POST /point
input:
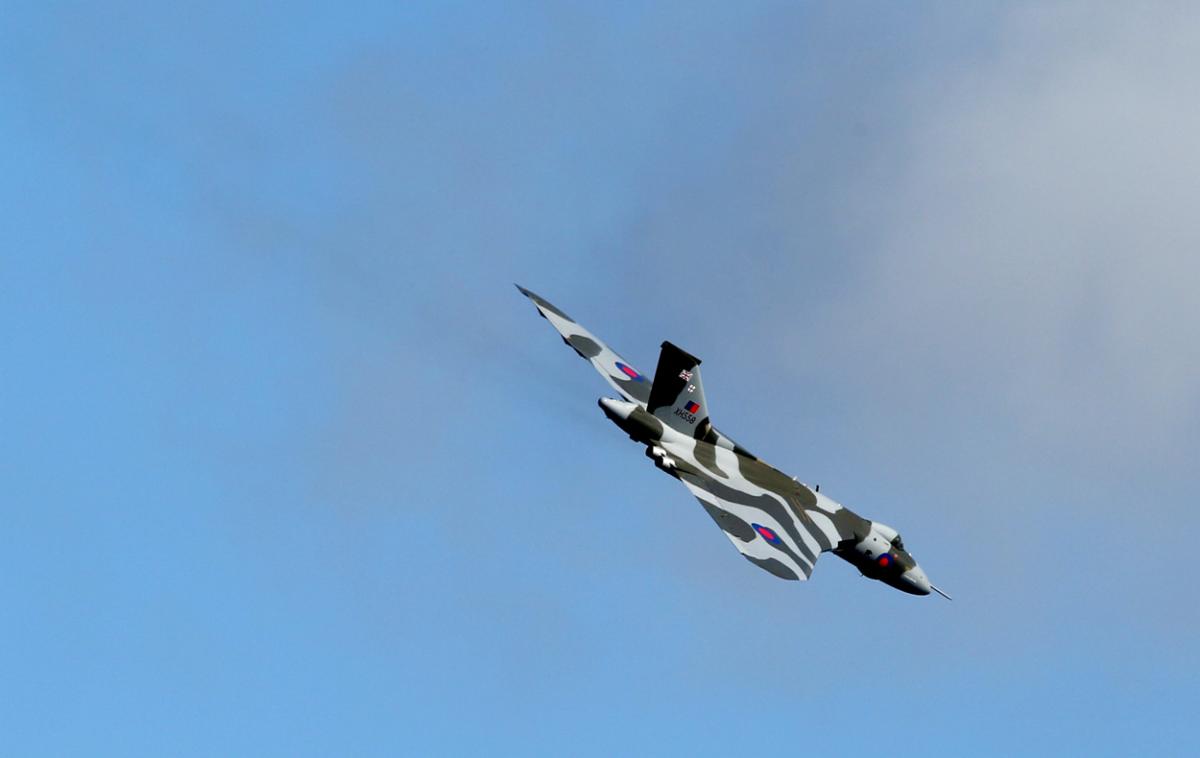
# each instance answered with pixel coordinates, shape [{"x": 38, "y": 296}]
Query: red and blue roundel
[
  {"x": 767, "y": 534},
  {"x": 885, "y": 560},
  {"x": 630, "y": 372}
]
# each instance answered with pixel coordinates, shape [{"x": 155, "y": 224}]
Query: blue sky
[{"x": 290, "y": 468}]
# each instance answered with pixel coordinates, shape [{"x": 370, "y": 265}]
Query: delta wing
[{"x": 623, "y": 377}]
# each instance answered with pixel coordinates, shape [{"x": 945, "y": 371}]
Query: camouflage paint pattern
[{"x": 775, "y": 521}]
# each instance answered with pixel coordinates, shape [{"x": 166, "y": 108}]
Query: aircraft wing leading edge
[{"x": 633, "y": 385}]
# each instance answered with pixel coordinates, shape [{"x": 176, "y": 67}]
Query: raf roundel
[
  {"x": 767, "y": 534},
  {"x": 885, "y": 560},
  {"x": 630, "y": 372}
]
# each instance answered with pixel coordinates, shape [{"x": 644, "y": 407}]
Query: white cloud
[{"x": 1036, "y": 236}]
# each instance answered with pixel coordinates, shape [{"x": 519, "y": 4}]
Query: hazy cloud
[{"x": 1033, "y": 234}]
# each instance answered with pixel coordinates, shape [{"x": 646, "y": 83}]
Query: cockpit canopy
[{"x": 897, "y": 542}]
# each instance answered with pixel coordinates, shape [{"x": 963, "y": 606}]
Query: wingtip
[{"x": 542, "y": 303}]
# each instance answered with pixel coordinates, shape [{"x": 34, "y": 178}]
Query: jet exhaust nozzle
[
  {"x": 632, "y": 419},
  {"x": 616, "y": 410}
]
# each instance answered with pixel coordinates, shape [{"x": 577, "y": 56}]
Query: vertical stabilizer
[{"x": 677, "y": 395}]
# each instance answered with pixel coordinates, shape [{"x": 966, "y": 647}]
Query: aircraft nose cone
[{"x": 916, "y": 582}]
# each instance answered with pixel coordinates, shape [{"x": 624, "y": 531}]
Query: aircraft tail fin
[{"x": 677, "y": 394}]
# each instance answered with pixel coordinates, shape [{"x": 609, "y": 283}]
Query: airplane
[{"x": 777, "y": 522}]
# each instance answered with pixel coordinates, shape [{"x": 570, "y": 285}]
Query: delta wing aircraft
[{"x": 778, "y": 523}]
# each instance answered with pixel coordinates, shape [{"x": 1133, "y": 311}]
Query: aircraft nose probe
[{"x": 943, "y": 594}]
